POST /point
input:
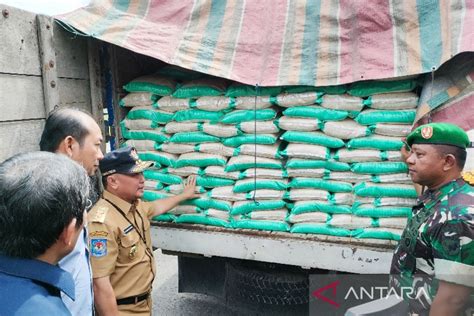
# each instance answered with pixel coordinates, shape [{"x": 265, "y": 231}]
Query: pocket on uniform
[{"x": 131, "y": 248}]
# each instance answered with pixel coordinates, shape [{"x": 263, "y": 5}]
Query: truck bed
[{"x": 307, "y": 251}]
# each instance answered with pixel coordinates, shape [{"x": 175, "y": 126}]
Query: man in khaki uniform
[{"x": 119, "y": 231}]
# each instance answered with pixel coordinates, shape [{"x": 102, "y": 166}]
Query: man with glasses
[
  {"x": 43, "y": 197},
  {"x": 74, "y": 133},
  {"x": 119, "y": 230}
]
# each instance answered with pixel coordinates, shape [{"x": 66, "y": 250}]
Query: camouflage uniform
[{"x": 437, "y": 244}]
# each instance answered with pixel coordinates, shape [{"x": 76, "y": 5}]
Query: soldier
[
  {"x": 74, "y": 133},
  {"x": 435, "y": 256},
  {"x": 119, "y": 230}
]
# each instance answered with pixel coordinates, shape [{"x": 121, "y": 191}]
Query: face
[
  {"x": 129, "y": 187},
  {"x": 426, "y": 165},
  {"x": 89, "y": 154}
]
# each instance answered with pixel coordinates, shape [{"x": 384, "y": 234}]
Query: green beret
[{"x": 439, "y": 134}]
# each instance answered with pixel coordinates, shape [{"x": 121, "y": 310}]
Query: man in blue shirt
[
  {"x": 74, "y": 133},
  {"x": 43, "y": 198}
]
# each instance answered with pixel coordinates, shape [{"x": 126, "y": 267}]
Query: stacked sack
[
  {"x": 361, "y": 185},
  {"x": 261, "y": 181},
  {"x": 310, "y": 160},
  {"x": 193, "y": 130}
]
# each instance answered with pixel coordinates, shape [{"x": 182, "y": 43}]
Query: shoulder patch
[
  {"x": 469, "y": 177},
  {"x": 98, "y": 247},
  {"x": 99, "y": 214}
]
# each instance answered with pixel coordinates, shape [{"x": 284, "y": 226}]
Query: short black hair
[
  {"x": 459, "y": 153},
  {"x": 63, "y": 122},
  {"x": 40, "y": 194}
]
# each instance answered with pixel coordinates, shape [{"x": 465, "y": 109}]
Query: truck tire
[{"x": 269, "y": 286}]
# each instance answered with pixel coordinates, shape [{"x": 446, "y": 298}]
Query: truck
[{"x": 45, "y": 63}]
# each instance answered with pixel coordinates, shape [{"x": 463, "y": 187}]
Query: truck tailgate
[{"x": 308, "y": 251}]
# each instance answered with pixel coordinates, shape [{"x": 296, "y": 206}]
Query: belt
[{"x": 133, "y": 299}]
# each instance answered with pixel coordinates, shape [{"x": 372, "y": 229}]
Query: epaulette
[
  {"x": 468, "y": 177},
  {"x": 99, "y": 214}
]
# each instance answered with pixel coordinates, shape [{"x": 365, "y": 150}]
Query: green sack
[
  {"x": 379, "y": 167},
  {"x": 202, "y": 219},
  {"x": 250, "y": 206},
  {"x": 318, "y": 112},
  {"x": 261, "y": 139},
  {"x": 375, "y": 142},
  {"x": 154, "y": 84},
  {"x": 315, "y": 164},
  {"x": 315, "y": 138},
  {"x": 148, "y": 113},
  {"x": 179, "y": 73},
  {"x": 340, "y": 89},
  {"x": 197, "y": 116},
  {"x": 240, "y": 116},
  {"x": 371, "y": 117},
  {"x": 209, "y": 203},
  {"x": 383, "y": 211},
  {"x": 245, "y": 162},
  {"x": 301, "y": 207},
  {"x": 164, "y": 218},
  {"x": 200, "y": 160},
  {"x": 193, "y": 137},
  {"x": 248, "y": 185},
  {"x": 332, "y": 186},
  {"x": 162, "y": 177},
  {"x": 213, "y": 182},
  {"x": 159, "y": 158},
  {"x": 378, "y": 234},
  {"x": 380, "y": 190},
  {"x": 370, "y": 87},
  {"x": 323, "y": 229},
  {"x": 149, "y": 196},
  {"x": 261, "y": 225},
  {"x": 145, "y": 135},
  {"x": 242, "y": 90},
  {"x": 201, "y": 87},
  {"x": 138, "y": 99}
]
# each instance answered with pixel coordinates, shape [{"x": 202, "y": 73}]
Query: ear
[
  {"x": 449, "y": 162},
  {"x": 68, "y": 234},
  {"x": 68, "y": 146},
  {"x": 112, "y": 182}
]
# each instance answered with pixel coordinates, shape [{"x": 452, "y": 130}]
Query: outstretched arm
[{"x": 164, "y": 205}]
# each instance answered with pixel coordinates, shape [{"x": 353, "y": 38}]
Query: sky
[{"x": 47, "y": 7}]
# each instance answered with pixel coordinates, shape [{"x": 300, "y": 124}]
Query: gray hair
[{"x": 40, "y": 194}]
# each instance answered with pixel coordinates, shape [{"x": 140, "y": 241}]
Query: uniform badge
[
  {"x": 98, "y": 233},
  {"x": 427, "y": 132},
  {"x": 128, "y": 229},
  {"x": 133, "y": 252},
  {"x": 98, "y": 247}
]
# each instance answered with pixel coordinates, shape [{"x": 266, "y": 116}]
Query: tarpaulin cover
[{"x": 286, "y": 42}]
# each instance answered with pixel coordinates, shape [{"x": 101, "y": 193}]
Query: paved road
[{"x": 167, "y": 300}]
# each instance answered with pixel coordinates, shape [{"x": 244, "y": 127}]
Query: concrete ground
[{"x": 167, "y": 300}]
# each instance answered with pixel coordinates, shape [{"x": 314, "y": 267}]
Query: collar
[
  {"x": 39, "y": 271},
  {"x": 122, "y": 204},
  {"x": 432, "y": 197}
]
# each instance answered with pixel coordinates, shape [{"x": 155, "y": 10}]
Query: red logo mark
[{"x": 332, "y": 286}]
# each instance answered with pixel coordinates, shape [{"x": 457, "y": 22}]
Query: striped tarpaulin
[{"x": 287, "y": 42}]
